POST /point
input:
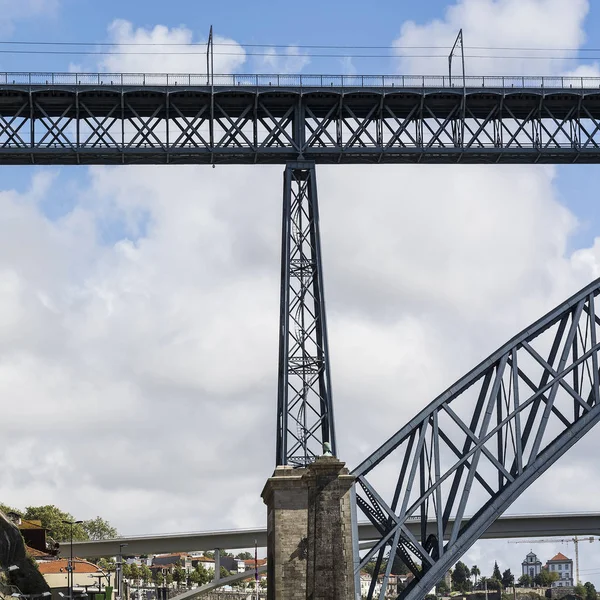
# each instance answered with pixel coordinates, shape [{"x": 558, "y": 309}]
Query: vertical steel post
[{"x": 304, "y": 406}]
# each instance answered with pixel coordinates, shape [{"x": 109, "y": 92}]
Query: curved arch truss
[{"x": 476, "y": 447}]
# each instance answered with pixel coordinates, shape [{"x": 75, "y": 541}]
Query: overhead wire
[
  {"x": 299, "y": 46},
  {"x": 311, "y": 55}
]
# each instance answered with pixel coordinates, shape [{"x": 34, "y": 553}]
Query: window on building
[{"x": 560, "y": 567}]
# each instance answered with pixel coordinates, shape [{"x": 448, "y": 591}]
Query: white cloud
[
  {"x": 291, "y": 60},
  {"x": 12, "y": 11},
  {"x": 149, "y": 364},
  {"x": 162, "y": 56},
  {"x": 548, "y": 24}
]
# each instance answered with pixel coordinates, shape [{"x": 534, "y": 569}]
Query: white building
[
  {"x": 531, "y": 566},
  {"x": 564, "y": 567}
]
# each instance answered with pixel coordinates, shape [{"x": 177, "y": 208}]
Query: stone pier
[{"x": 309, "y": 532}]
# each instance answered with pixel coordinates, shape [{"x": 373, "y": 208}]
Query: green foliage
[
  {"x": 494, "y": 584},
  {"x": 6, "y": 509},
  {"x": 580, "y": 591},
  {"x": 99, "y": 529},
  {"x": 475, "y": 573},
  {"x": 590, "y": 591},
  {"x": 244, "y": 556},
  {"x": 169, "y": 579},
  {"x": 508, "y": 579},
  {"x": 431, "y": 597},
  {"x": 525, "y": 581},
  {"x": 145, "y": 574},
  {"x": 107, "y": 564},
  {"x": 460, "y": 577},
  {"x": 134, "y": 572},
  {"x": 159, "y": 578},
  {"x": 442, "y": 588},
  {"x": 179, "y": 574},
  {"x": 496, "y": 572},
  {"x": 200, "y": 575},
  {"x": 224, "y": 572},
  {"x": 53, "y": 518},
  {"x": 126, "y": 569},
  {"x": 545, "y": 578}
]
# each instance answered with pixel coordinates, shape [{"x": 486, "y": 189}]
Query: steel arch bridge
[
  {"x": 476, "y": 447},
  {"x": 481, "y": 443}
]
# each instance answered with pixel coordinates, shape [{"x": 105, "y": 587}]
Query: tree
[
  {"x": 107, "y": 564},
  {"x": 52, "y": 519},
  {"x": 200, "y": 575},
  {"x": 508, "y": 579},
  {"x": 99, "y": 529},
  {"x": 496, "y": 572},
  {"x": 145, "y": 574},
  {"x": 475, "y": 573},
  {"x": 244, "y": 556},
  {"x": 525, "y": 581},
  {"x": 159, "y": 578},
  {"x": 442, "y": 588},
  {"x": 545, "y": 577},
  {"x": 580, "y": 591},
  {"x": 126, "y": 570},
  {"x": 169, "y": 578},
  {"x": 460, "y": 577},
  {"x": 134, "y": 572},
  {"x": 590, "y": 591},
  {"x": 179, "y": 575}
]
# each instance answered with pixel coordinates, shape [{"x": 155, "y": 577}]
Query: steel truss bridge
[
  {"x": 75, "y": 118},
  {"x": 481, "y": 443}
]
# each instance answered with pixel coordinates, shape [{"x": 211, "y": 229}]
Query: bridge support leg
[
  {"x": 309, "y": 532},
  {"x": 304, "y": 406}
]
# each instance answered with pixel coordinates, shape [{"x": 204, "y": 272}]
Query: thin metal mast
[{"x": 304, "y": 406}]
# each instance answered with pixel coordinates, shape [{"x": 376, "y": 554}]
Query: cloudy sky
[{"x": 139, "y": 305}]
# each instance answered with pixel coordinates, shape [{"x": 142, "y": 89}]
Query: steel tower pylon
[{"x": 304, "y": 406}]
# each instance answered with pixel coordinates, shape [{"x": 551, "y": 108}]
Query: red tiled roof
[
  {"x": 60, "y": 566},
  {"x": 560, "y": 556},
  {"x": 260, "y": 562}
]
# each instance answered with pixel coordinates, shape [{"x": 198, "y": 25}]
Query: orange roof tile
[
  {"x": 60, "y": 566},
  {"x": 560, "y": 556}
]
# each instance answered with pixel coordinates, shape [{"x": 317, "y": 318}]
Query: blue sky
[
  {"x": 152, "y": 293},
  {"x": 264, "y": 22}
]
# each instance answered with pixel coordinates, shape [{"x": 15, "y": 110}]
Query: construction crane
[{"x": 575, "y": 540}]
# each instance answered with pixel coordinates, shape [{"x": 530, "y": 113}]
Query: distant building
[
  {"x": 532, "y": 565},
  {"x": 55, "y": 574},
  {"x": 564, "y": 567}
]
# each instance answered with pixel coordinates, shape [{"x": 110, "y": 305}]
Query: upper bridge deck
[{"x": 77, "y": 118}]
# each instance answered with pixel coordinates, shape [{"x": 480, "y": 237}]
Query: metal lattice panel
[
  {"x": 475, "y": 448},
  {"x": 187, "y": 121},
  {"x": 304, "y": 407}
]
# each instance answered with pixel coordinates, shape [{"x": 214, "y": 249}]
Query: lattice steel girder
[
  {"x": 304, "y": 405},
  {"x": 153, "y": 124},
  {"x": 480, "y": 444}
]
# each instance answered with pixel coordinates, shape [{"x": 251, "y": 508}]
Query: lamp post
[
  {"x": 70, "y": 564},
  {"x": 120, "y": 572}
]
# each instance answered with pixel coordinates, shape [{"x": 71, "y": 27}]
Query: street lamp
[
  {"x": 120, "y": 572},
  {"x": 70, "y": 565}
]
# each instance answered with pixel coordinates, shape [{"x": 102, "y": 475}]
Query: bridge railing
[{"x": 302, "y": 81}]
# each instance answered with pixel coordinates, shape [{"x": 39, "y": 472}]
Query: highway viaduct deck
[{"x": 515, "y": 526}]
